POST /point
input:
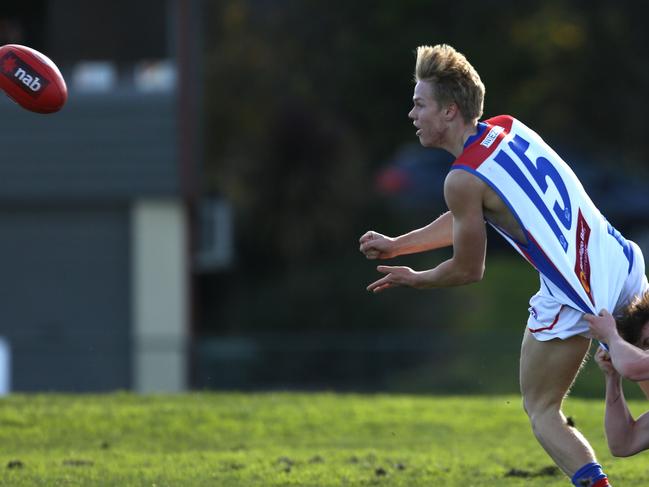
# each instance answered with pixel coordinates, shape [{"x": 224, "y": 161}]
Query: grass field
[{"x": 285, "y": 439}]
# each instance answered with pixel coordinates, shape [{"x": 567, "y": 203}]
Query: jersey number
[{"x": 541, "y": 172}]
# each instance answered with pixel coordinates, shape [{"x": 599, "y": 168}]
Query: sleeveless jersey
[{"x": 582, "y": 259}]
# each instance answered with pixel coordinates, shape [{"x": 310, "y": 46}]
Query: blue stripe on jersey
[
  {"x": 626, "y": 246},
  {"x": 547, "y": 287},
  {"x": 537, "y": 257},
  {"x": 545, "y": 266},
  {"x": 514, "y": 171}
]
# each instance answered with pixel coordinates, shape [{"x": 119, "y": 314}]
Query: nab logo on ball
[
  {"x": 31, "y": 79},
  {"x": 23, "y": 75}
]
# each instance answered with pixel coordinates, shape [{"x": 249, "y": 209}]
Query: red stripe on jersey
[
  {"x": 556, "y": 318},
  {"x": 481, "y": 149},
  {"x": 602, "y": 483}
]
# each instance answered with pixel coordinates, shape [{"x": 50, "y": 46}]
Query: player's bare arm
[
  {"x": 625, "y": 435},
  {"x": 638, "y": 440},
  {"x": 435, "y": 235},
  {"x": 464, "y": 197}
]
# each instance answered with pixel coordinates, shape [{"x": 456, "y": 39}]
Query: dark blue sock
[{"x": 588, "y": 475}]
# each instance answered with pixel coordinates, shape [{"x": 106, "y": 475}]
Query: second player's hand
[
  {"x": 602, "y": 327},
  {"x": 395, "y": 276},
  {"x": 603, "y": 360}
]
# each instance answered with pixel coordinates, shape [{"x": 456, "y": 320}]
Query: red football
[{"x": 31, "y": 79}]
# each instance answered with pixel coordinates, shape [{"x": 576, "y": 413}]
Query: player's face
[{"x": 428, "y": 116}]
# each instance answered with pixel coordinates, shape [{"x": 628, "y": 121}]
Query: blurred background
[{"x": 190, "y": 219}]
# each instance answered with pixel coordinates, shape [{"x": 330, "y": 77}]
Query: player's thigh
[{"x": 548, "y": 368}]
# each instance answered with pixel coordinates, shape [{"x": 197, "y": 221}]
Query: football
[{"x": 31, "y": 79}]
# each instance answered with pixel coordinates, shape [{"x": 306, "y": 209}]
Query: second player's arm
[
  {"x": 629, "y": 360},
  {"x": 625, "y": 435}
]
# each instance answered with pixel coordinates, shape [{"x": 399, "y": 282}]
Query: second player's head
[{"x": 633, "y": 325}]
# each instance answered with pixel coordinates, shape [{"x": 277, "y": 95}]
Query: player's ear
[{"x": 451, "y": 111}]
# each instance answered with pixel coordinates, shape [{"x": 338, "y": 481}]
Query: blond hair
[{"x": 453, "y": 78}]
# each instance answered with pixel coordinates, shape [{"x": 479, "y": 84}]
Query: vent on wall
[{"x": 216, "y": 235}]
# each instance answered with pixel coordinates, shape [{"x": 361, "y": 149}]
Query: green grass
[{"x": 285, "y": 439}]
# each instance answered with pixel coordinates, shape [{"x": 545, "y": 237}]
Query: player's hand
[
  {"x": 602, "y": 327},
  {"x": 377, "y": 246},
  {"x": 603, "y": 360},
  {"x": 395, "y": 276}
]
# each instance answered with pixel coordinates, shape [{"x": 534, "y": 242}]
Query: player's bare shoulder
[{"x": 463, "y": 190}]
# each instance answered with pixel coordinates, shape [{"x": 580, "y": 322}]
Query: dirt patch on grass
[{"x": 549, "y": 471}]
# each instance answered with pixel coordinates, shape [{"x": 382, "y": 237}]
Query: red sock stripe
[{"x": 602, "y": 483}]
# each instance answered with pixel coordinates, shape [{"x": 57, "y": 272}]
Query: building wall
[
  {"x": 101, "y": 147},
  {"x": 65, "y": 296},
  {"x": 93, "y": 264}
]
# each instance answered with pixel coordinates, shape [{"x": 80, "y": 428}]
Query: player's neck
[{"x": 458, "y": 134}]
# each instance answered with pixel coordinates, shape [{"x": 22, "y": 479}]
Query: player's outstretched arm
[
  {"x": 463, "y": 193},
  {"x": 629, "y": 360},
  {"x": 435, "y": 235},
  {"x": 625, "y": 435}
]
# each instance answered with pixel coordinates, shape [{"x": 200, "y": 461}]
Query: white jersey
[{"x": 582, "y": 259}]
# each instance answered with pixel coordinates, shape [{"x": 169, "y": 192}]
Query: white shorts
[{"x": 550, "y": 318}]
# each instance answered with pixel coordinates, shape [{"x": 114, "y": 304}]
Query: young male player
[
  {"x": 627, "y": 357},
  {"x": 505, "y": 174}
]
